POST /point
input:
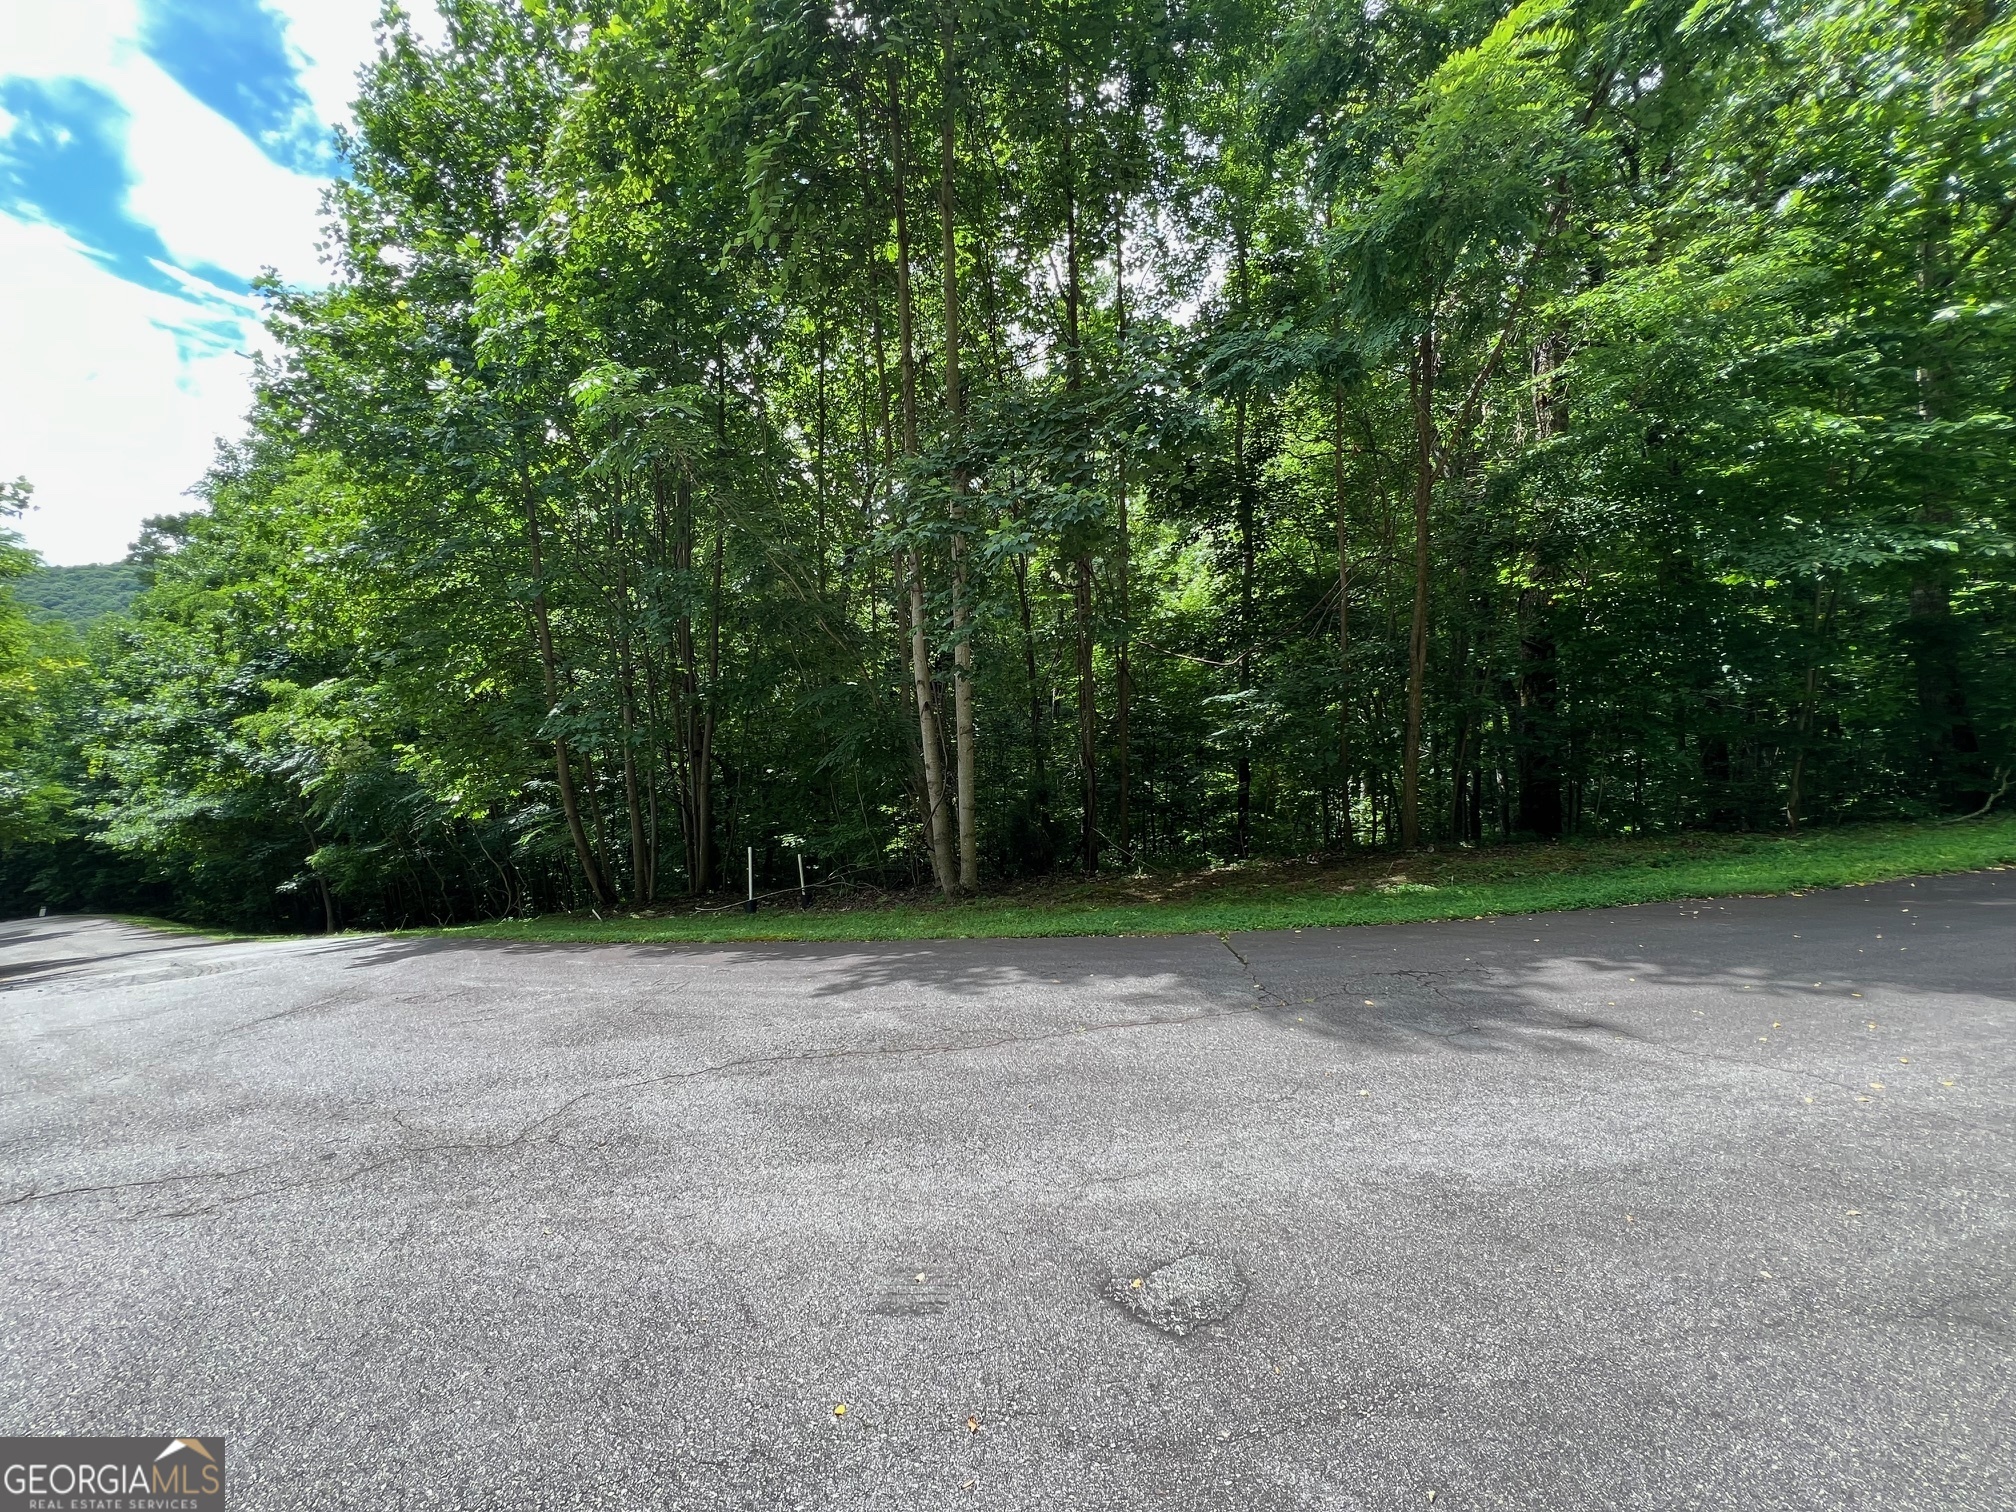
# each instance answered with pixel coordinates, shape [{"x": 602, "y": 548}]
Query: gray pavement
[{"x": 1702, "y": 1205}]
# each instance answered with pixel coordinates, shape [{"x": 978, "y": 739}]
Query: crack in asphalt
[
  {"x": 1267, "y": 995},
  {"x": 32, "y": 1195},
  {"x": 1269, "y": 1001},
  {"x": 546, "y": 1120},
  {"x": 308, "y": 1007}
]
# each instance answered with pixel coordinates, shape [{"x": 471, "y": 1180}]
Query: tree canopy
[{"x": 968, "y": 440}]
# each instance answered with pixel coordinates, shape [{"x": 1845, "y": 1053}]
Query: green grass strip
[
  {"x": 219, "y": 932},
  {"x": 1375, "y": 889}
]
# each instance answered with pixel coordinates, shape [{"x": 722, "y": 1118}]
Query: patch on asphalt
[
  {"x": 1183, "y": 1295},
  {"x": 910, "y": 1291}
]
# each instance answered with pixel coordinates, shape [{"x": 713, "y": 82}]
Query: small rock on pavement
[{"x": 1182, "y": 1295}]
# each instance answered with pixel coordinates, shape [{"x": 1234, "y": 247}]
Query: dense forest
[
  {"x": 80, "y": 596},
  {"x": 971, "y": 440}
]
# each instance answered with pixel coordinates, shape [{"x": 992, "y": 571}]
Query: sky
[{"x": 155, "y": 157}]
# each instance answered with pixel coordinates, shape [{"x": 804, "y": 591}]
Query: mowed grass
[
  {"x": 1375, "y": 888},
  {"x": 207, "y": 931}
]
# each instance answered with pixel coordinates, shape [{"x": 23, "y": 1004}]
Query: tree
[{"x": 741, "y": 429}]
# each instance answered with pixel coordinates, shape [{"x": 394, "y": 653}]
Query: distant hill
[{"x": 80, "y": 595}]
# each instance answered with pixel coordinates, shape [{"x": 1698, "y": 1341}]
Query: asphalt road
[{"x": 1703, "y": 1205}]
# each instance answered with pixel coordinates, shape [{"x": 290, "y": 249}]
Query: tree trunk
[
  {"x": 1123, "y": 682},
  {"x": 562, "y": 766},
  {"x": 652, "y": 835},
  {"x": 938, "y": 821},
  {"x": 1417, "y": 641},
  {"x": 1243, "y": 509},
  {"x": 1950, "y": 742},
  {"x": 626, "y": 692},
  {"x": 1088, "y": 750},
  {"x": 939, "y": 832},
  {"x": 1039, "y": 769},
  {"x": 1343, "y": 615},
  {"x": 1242, "y": 491},
  {"x": 1807, "y": 699},
  {"x": 692, "y": 759},
  {"x": 955, "y": 408},
  {"x": 705, "y": 720},
  {"x": 1541, "y": 809},
  {"x": 1951, "y": 745},
  {"x": 899, "y": 577},
  {"x": 640, "y": 846},
  {"x": 819, "y": 450},
  {"x": 601, "y": 824},
  {"x": 322, "y": 882},
  {"x": 1088, "y": 718},
  {"x": 1343, "y": 597},
  {"x": 1459, "y": 775}
]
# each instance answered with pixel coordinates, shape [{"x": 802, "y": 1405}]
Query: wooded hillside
[
  {"x": 974, "y": 439},
  {"x": 79, "y": 596}
]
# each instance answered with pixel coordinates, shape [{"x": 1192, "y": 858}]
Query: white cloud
[
  {"x": 98, "y": 407},
  {"x": 334, "y": 37},
  {"x": 82, "y": 38},
  {"x": 208, "y": 190},
  {"x": 101, "y": 407}
]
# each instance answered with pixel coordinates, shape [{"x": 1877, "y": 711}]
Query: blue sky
[{"x": 155, "y": 156}]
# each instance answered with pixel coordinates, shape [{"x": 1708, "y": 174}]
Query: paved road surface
[{"x": 1676, "y": 1206}]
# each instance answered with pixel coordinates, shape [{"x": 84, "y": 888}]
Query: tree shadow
[
  {"x": 1505, "y": 983},
  {"x": 1515, "y": 983},
  {"x": 959, "y": 969}
]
